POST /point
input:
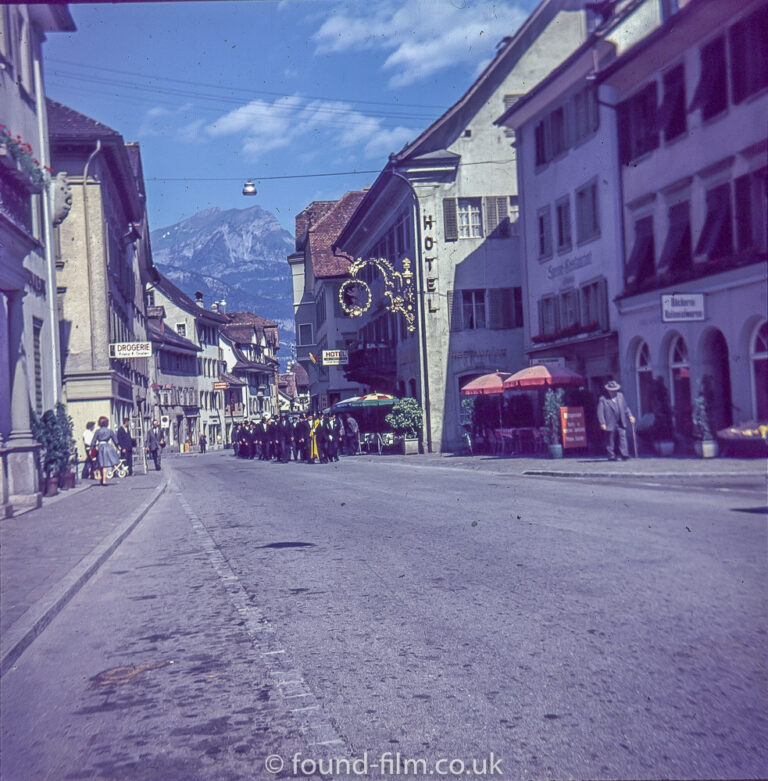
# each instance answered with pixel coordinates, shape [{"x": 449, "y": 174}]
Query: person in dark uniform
[
  {"x": 203, "y": 443},
  {"x": 126, "y": 443},
  {"x": 262, "y": 434},
  {"x": 155, "y": 443},
  {"x": 302, "y": 437},
  {"x": 293, "y": 423},
  {"x": 335, "y": 436},
  {"x": 322, "y": 437},
  {"x": 272, "y": 439}
]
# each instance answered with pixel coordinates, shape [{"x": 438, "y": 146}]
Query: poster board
[{"x": 573, "y": 426}]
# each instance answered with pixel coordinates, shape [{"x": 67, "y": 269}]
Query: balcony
[{"x": 374, "y": 366}]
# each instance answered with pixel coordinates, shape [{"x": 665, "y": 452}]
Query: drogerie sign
[
  {"x": 682, "y": 307},
  {"x": 130, "y": 350}
]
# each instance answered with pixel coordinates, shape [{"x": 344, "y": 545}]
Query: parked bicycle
[{"x": 121, "y": 470}]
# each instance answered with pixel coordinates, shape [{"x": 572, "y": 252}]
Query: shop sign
[
  {"x": 682, "y": 308},
  {"x": 220, "y": 385},
  {"x": 125, "y": 350},
  {"x": 553, "y": 361},
  {"x": 573, "y": 427},
  {"x": 164, "y": 421},
  {"x": 335, "y": 357}
]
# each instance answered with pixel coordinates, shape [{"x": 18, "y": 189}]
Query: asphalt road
[{"x": 557, "y": 628}]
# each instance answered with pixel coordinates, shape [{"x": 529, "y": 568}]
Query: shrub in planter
[
  {"x": 703, "y": 435},
  {"x": 553, "y": 400},
  {"x": 405, "y": 419},
  {"x": 662, "y": 431},
  {"x": 53, "y": 430}
]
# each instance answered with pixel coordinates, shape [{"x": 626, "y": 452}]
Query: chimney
[
  {"x": 215, "y": 306},
  {"x": 199, "y": 298},
  {"x": 222, "y": 305}
]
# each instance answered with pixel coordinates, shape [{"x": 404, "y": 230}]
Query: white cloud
[
  {"x": 421, "y": 37},
  {"x": 292, "y": 121},
  {"x": 160, "y": 121}
]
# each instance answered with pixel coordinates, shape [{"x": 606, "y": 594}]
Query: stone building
[
  {"x": 30, "y": 204},
  {"x": 448, "y": 202},
  {"x": 200, "y": 326},
  {"x": 692, "y": 102},
  {"x": 103, "y": 261},
  {"x": 317, "y": 273},
  {"x": 569, "y": 190}
]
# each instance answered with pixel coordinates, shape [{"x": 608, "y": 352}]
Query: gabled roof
[
  {"x": 323, "y": 234},
  {"x": 183, "y": 301},
  {"x": 169, "y": 338},
  {"x": 250, "y": 318},
  {"x": 67, "y": 127}
]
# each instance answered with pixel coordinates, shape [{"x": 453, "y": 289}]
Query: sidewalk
[
  {"x": 589, "y": 466},
  {"x": 48, "y": 554}
]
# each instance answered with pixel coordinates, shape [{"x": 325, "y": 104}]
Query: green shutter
[
  {"x": 454, "y": 310},
  {"x": 450, "y": 219}
]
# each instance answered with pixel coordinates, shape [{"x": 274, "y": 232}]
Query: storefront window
[
  {"x": 644, "y": 379},
  {"x": 760, "y": 371},
  {"x": 680, "y": 376}
]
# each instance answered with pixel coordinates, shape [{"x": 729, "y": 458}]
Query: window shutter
[
  {"x": 450, "y": 219},
  {"x": 517, "y": 304},
  {"x": 602, "y": 304},
  {"x": 540, "y": 304},
  {"x": 490, "y": 215},
  {"x": 454, "y": 310},
  {"x": 495, "y": 309}
]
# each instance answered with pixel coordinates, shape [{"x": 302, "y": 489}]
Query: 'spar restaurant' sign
[
  {"x": 125, "y": 350},
  {"x": 682, "y": 307}
]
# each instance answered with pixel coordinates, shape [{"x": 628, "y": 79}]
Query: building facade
[
  {"x": 31, "y": 200},
  {"x": 449, "y": 202},
  {"x": 569, "y": 190},
  {"x": 103, "y": 262},
  {"x": 317, "y": 273},
  {"x": 692, "y": 106}
]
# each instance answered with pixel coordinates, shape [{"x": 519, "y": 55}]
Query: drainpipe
[
  {"x": 88, "y": 252},
  {"x": 422, "y": 331},
  {"x": 50, "y": 258}
]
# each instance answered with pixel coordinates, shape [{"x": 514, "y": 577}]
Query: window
[
  {"x": 150, "y": 295},
  {"x": 640, "y": 265},
  {"x": 637, "y": 123},
  {"x": 557, "y": 131},
  {"x": 305, "y": 333},
  {"x": 320, "y": 308},
  {"x": 505, "y": 308},
  {"x": 676, "y": 255},
  {"x": 544, "y": 227},
  {"x": 594, "y": 305},
  {"x": 680, "y": 376},
  {"x": 716, "y": 238},
  {"x": 672, "y": 114},
  {"x": 470, "y": 218},
  {"x": 644, "y": 379},
  {"x": 563, "y": 208},
  {"x": 181, "y": 329},
  {"x": 749, "y": 55},
  {"x": 514, "y": 216},
  {"x": 542, "y": 147},
  {"x": 585, "y": 114},
  {"x": 587, "y": 218},
  {"x": 569, "y": 309},
  {"x": 473, "y": 308},
  {"x": 711, "y": 94},
  {"x": 549, "y": 320},
  {"x": 751, "y": 208}
]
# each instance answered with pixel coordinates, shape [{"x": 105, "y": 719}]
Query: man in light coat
[{"x": 615, "y": 417}]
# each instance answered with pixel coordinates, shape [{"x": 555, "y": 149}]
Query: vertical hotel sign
[{"x": 573, "y": 427}]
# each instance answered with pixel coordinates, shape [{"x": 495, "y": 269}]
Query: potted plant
[
  {"x": 54, "y": 433},
  {"x": 406, "y": 422},
  {"x": 662, "y": 431},
  {"x": 552, "y": 403},
  {"x": 67, "y": 462},
  {"x": 703, "y": 437}
]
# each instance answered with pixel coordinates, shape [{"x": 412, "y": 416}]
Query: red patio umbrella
[
  {"x": 543, "y": 376},
  {"x": 486, "y": 384}
]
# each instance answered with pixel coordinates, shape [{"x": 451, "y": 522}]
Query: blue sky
[{"x": 217, "y": 92}]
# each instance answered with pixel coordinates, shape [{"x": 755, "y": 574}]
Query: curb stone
[{"x": 24, "y": 631}]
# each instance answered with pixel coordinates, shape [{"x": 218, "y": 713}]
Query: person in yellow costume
[{"x": 314, "y": 453}]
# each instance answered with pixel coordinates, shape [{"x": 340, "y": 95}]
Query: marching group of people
[{"x": 310, "y": 438}]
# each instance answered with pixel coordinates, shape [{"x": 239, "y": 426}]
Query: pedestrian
[
  {"x": 323, "y": 437},
  {"x": 314, "y": 447},
  {"x": 203, "y": 443},
  {"x": 87, "y": 443},
  {"x": 615, "y": 417},
  {"x": 335, "y": 436},
  {"x": 303, "y": 443},
  {"x": 283, "y": 436},
  {"x": 106, "y": 445},
  {"x": 155, "y": 444},
  {"x": 126, "y": 443},
  {"x": 352, "y": 429}
]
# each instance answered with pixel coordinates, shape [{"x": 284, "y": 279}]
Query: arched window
[
  {"x": 680, "y": 384},
  {"x": 759, "y": 357},
  {"x": 644, "y": 379}
]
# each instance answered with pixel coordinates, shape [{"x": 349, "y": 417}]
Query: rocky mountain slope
[{"x": 237, "y": 255}]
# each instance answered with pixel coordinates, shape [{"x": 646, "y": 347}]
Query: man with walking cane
[{"x": 615, "y": 417}]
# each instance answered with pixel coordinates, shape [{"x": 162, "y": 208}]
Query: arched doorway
[
  {"x": 644, "y": 373},
  {"x": 716, "y": 365},
  {"x": 680, "y": 386},
  {"x": 759, "y": 360}
]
